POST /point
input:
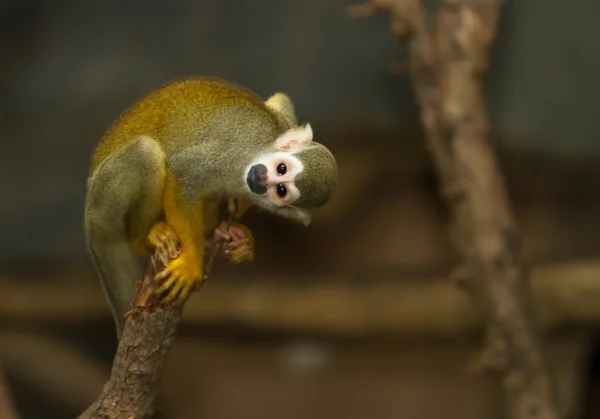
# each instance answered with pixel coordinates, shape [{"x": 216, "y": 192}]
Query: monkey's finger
[
  {"x": 168, "y": 243},
  {"x": 173, "y": 249},
  {"x": 162, "y": 274},
  {"x": 167, "y": 284},
  {"x": 237, "y": 232},
  {"x": 241, "y": 254},
  {"x": 239, "y": 242},
  {"x": 186, "y": 290},
  {"x": 222, "y": 234},
  {"x": 167, "y": 271},
  {"x": 162, "y": 255},
  {"x": 175, "y": 289},
  {"x": 154, "y": 240}
]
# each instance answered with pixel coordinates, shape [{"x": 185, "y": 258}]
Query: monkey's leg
[
  {"x": 123, "y": 200},
  {"x": 188, "y": 221}
]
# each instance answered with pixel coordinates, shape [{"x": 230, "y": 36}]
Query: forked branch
[{"x": 446, "y": 61}]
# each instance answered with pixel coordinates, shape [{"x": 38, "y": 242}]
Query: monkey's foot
[
  {"x": 180, "y": 276},
  {"x": 165, "y": 241},
  {"x": 239, "y": 243}
]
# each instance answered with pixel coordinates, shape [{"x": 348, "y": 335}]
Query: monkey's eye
[
  {"x": 281, "y": 169},
  {"x": 281, "y": 190}
]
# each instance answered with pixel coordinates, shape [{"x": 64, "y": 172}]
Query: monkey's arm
[
  {"x": 187, "y": 221},
  {"x": 240, "y": 206}
]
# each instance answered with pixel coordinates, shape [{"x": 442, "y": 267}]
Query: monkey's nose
[{"x": 256, "y": 179}]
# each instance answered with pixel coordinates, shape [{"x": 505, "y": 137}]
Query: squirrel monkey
[{"x": 162, "y": 169}]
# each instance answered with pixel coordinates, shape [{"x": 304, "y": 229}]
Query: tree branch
[
  {"x": 146, "y": 338},
  {"x": 565, "y": 294},
  {"x": 446, "y": 61}
]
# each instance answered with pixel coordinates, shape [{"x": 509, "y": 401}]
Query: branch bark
[
  {"x": 146, "y": 338},
  {"x": 566, "y": 294},
  {"x": 446, "y": 62}
]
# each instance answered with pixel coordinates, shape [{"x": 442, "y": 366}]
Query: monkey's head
[{"x": 293, "y": 177}]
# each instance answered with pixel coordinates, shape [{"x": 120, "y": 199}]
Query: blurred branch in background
[
  {"x": 564, "y": 294},
  {"x": 446, "y": 62},
  {"x": 7, "y": 407}
]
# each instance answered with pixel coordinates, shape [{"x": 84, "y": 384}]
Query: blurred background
[{"x": 354, "y": 317}]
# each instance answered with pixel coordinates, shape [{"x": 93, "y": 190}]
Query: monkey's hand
[
  {"x": 180, "y": 272},
  {"x": 165, "y": 242},
  {"x": 239, "y": 243},
  {"x": 179, "y": 276}
]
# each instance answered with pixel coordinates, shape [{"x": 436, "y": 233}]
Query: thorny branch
[
  {"x": 446, "y": 62},
  {"x": 146, "y": 338}
]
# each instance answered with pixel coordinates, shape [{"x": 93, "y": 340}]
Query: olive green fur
[
  {"x": 283, "y": 108},
  {"x": 194, "y": 111},
  {"x": 318, "y": 180}
]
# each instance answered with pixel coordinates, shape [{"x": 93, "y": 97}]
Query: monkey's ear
[{"x": 296, "y": 139}]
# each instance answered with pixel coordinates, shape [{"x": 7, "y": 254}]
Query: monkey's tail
[{"x": 119, "y": 269}]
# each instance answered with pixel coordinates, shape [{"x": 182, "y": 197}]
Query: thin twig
[{"x": 446, "y": 63}]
